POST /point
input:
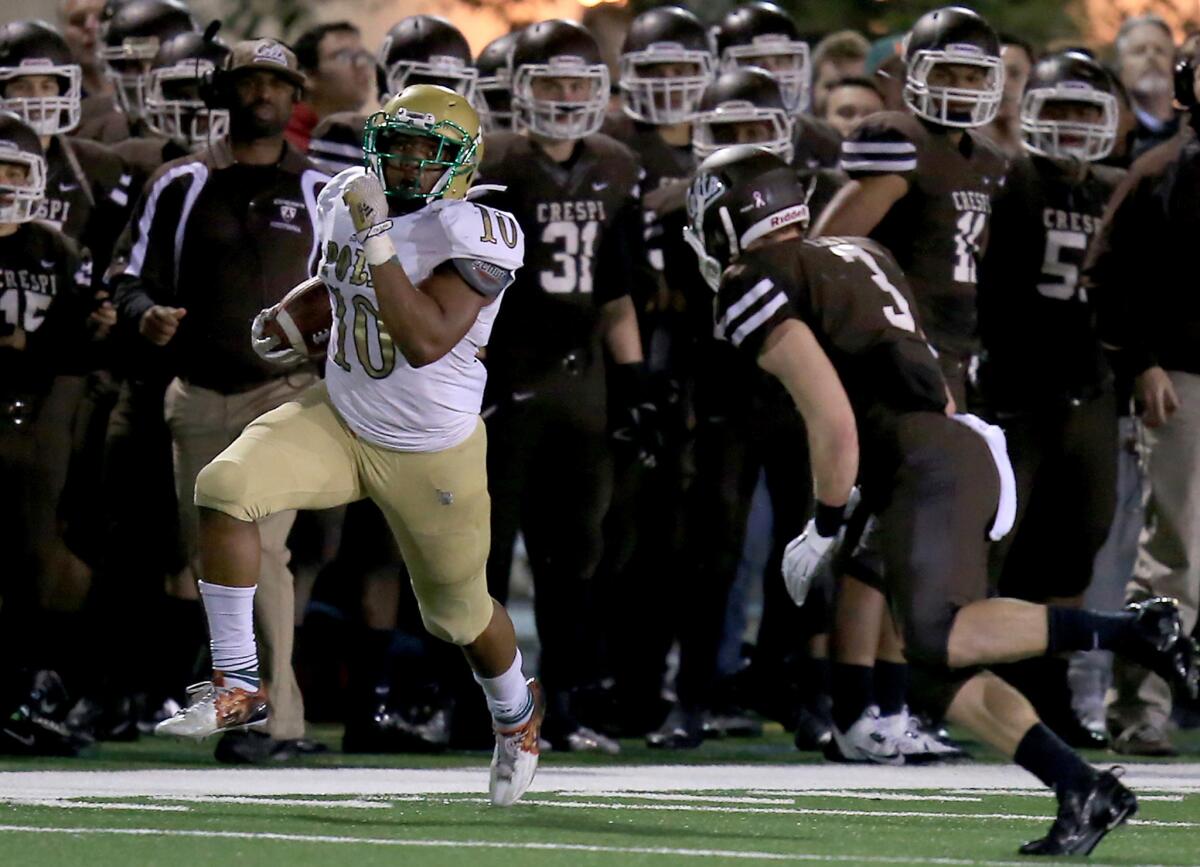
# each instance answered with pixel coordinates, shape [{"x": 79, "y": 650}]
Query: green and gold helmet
[{"x": 437, "y": 115}]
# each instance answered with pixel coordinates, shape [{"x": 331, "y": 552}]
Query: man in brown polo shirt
[{"x": 219, "y": 235}]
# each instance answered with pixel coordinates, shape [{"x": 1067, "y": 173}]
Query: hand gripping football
[{"x": 301, "y": 321}]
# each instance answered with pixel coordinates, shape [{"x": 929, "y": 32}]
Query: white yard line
[
  {"x": 91, "y": 805},
  {"x": 365, "y": 782},
  {"x": 1044, "y": 793},
  {"x": 802, "y": 857},
  {"x": 279, "y": 802},
  {"x": 874, "y": 796},
  {"x": 813, "y": 811}
]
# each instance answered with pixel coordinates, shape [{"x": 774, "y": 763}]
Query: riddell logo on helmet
[{"x": 791, "y": 215}]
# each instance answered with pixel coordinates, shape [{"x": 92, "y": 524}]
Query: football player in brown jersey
[
  {"x": 494, "y": 87},
  {"x": 921, "y": 185},
  {"x": 575, "y": 192},
  {"x": 131, "y": 32},
  {"x": 45, "y": 301},
  {"x": 1044, "y": 375},
  {"x": 666, "y": 63},
  {"x": 835, "y": 322},
  {"x": 87, "y": 192}
]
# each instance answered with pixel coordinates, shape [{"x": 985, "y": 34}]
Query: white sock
[
  {"x": 508, "y": 696},
  {"x": 230, "y": 612}
]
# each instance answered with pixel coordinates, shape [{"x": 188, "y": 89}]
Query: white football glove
[
  {"x": 810, "y": 554},
  {"x": 805, "y": 558},
  {"x": 267, "y": 347},
  {"x": 367, "y": 201}
]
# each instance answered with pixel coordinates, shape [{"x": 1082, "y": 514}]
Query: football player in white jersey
[{"x": 415, "y": 272}]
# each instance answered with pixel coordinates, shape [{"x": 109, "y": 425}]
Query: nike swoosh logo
[
  {"x": 597, "y": 186},
  {"x": 46, "y": 265},
  {"x": 522, "y": 396},
  {"x": 27, "y": 740},
  {"x": 66, "y": 188}
]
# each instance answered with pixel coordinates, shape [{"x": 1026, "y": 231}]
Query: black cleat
[
  {"x": 1085, "y": 816},
  {"x": 415, "y": 728},
  {"x": 681, "y": 730},
  {"x": 1165, "y": 648}
]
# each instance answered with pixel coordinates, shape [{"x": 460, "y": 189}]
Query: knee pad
[
  {"x": 221, "y": 485},
  {"x": 455, "y": 613}
]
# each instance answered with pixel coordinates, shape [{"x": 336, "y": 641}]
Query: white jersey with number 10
[{"x": 377, "y": 392}]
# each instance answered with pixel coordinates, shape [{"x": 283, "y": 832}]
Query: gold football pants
[{"x": 303, "y": 456}]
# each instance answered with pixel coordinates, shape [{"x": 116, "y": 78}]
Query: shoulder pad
[{"x": 475, "y": 231}]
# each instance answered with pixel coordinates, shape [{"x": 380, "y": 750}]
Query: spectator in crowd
[
  {"x": 1145, "y": 51},
  {"x": 338, "y": 71},
  {"x": 1005, "y": 130},
  {"x": 1156, "y": 329},
  {"x": 838, "y": 56},
  {"x": 848, "y": 101},
  {"x": 216, "y": 237}
]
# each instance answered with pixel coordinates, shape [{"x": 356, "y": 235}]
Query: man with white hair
[{"x": 1145, "y": 56}]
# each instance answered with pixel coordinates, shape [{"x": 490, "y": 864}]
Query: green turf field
[{"x": 743, "y": 802}]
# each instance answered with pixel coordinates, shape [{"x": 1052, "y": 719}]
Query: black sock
[
  {"x": 891, "y": 686},
  {"x": 1078, "y": 629},
  {"x": 1043, "y": 754},
  {"x": 816, "y": 675},
  {"x": 852, "y": 691}
]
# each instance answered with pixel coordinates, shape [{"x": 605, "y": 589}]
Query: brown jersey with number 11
[{"x": 939, "y": 229}]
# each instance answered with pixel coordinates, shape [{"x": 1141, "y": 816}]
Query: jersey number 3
[{"x": 898, "y": 312}]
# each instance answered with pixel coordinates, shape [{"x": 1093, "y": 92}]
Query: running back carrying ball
[{"x": 297, "y": 328}]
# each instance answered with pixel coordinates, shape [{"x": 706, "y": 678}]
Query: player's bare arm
[
  {"x": 427, "y": 321},
  {"x": 792, "y": 355},
  {"x": 859, "y": 206},
  {"x": 618, "y": 322}
]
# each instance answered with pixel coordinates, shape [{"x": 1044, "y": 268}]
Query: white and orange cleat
[
  {"x": 515, "y": 759},
  {"x": 214, "y": 707}
]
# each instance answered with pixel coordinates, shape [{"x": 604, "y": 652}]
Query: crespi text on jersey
[
  {"x": 579, "y": 211},
  {"x": 1070, "y": 221},
  {"x": 970, "y": 200}
]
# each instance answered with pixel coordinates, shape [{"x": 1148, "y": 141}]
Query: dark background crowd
[{"x": 650, "y": 548}]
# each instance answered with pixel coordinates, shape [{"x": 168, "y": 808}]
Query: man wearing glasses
[{"x": 339, "y": 72}]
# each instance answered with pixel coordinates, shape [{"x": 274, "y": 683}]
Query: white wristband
[{"x": 378, "y": 249}]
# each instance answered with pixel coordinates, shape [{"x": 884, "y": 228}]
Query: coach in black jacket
[{"x": 217, "y": 236}]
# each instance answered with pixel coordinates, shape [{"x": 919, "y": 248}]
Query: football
[{"x": 303, "y": 319}]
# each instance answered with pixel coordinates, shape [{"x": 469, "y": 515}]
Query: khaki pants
[
  {"x": 1168, "y": 561},
  {"x": 302, "y": 456},
  {"x": 203, "y": 423}
]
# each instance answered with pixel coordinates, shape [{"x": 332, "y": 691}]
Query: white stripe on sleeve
[{"x": 764, "y": 313}]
